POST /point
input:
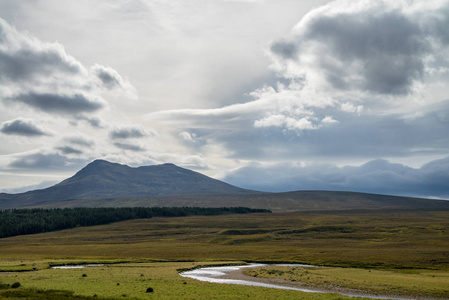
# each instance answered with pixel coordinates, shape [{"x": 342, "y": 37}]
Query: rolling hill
[
  {"x": 101, "y": 179},
  {"x": 106, "y": 184}
]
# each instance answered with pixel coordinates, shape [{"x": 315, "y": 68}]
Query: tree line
[{"x": 37, "y": 220}]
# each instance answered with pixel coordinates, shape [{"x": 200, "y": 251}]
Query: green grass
[
  {"x": 131, "y": 280},
  {"x": 384, "y": 241},
  {"x": 418, "y": 282}
]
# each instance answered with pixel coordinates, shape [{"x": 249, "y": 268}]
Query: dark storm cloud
[
  {"x": 23, "y": 127},
  {"x": 60, "y": 104},
  {"x": 129, "y": 147},
  {"x": 128, "y": 132},
  {"x": 375, "y": 47},
  {"x": 377, "y": 176}
]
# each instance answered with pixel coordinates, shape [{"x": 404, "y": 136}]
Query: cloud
[
  {"x": 80, "y": 140},
  {"x": 129, "y": 147},
  {"x": 47, "y": 161},
  {"x": 23, "y": 127},
  {"x": 188, "y": 137},
  {"x": 131, "y": 131},
  {"x": 42, "y": 185},
  {"x": 44, "y": 77},
  {"x": 376, "y": 176},
  {"x": 338, "y": 134},
  {"x": 25, "y": 59},
  {"x": 348, "y": 55},
  {"x": 61, "y": 104},
  {"x": 381, "y": 47},
  {"x": 69, "y": 150},
  {"x": 109, "y": 77}
]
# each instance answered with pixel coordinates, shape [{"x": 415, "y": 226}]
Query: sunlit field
[{"x": 152, "y": 250}]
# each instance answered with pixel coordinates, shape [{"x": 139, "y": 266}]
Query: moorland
[
  {"x": 149, "y": 252},
  {"x": 378, "y": 244}
]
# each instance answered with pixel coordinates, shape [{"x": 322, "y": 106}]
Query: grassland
[
  {"x": 417, "y": 282},
  {"x": 399, "y": 241},
  {"x": 131, "y": 281}
]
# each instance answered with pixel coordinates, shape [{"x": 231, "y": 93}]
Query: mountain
[
  {"x": 101, "y": 179},
  {"x": 106, "y": 184}
]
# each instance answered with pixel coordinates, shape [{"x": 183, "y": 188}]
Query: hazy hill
[
  {"x": 103, "y": 179},
  {"x": 105, "y": 184},
  {"x": 290, "y": 201}
]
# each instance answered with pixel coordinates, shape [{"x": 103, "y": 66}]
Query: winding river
[{"x": 217, "y": 274}]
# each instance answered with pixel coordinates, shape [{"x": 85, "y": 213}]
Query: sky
[{"x": 272, "y": 95}]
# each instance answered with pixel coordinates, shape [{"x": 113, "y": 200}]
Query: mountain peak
[{"x": 104, "y": 179}]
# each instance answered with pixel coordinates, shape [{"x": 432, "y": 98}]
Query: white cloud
[
  {"x": 328, "y": 120},
  {"x": 353, "y": 81},
  {"x": 348, "y": 55},
  {"x": 42, "y": 76},
  {"x": 189, "y": 137}
]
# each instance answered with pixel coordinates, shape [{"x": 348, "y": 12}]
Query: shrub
[
  {"x": 15, "y": 285},
  {"x": 150, "y": 290}
]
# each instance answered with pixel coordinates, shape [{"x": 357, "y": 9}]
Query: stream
[{"x": 216, "y": 274}]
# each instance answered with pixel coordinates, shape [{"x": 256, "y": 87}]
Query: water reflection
[{"x": 76, "y": 266}]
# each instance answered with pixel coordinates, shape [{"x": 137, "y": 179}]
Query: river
[{"x": 218, "y": 274}]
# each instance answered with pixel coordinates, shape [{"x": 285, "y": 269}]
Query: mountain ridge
[
  {"x": 101, "y": 178},
  {"x": 105, "y": 184}
]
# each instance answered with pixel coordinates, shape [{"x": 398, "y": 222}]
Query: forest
[{"x": 37, "y": 220}]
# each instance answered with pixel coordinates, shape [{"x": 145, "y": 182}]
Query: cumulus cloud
[
  {"x": 44, "y": 77},
  {"x": 187, "y": 136},
  {"x": 23, "y": 127},
  {"x": 376, "y": 176},
  {"x": 25, "y": 59},
  {"x": 381, "y": 47},
  {"x": 109, "y": 77},
  {"x": 348, "y": 54},
  {"x": 131, "y": 131}
]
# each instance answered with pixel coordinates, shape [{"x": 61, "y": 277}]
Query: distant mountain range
[
  {"x": 101, "y": 179},
  {"x": 106, "y": 184}
]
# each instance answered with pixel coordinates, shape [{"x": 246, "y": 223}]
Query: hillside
[
  {"x": 106, "y": 184},
  {"x": 103, "y": 179},
  {"x": 290, "y": 201}
]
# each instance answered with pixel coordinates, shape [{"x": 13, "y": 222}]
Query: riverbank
[{"x": 238, "y": 274}]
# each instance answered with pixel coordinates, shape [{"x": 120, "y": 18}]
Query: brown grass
[{"x": 365, "y": 239}]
